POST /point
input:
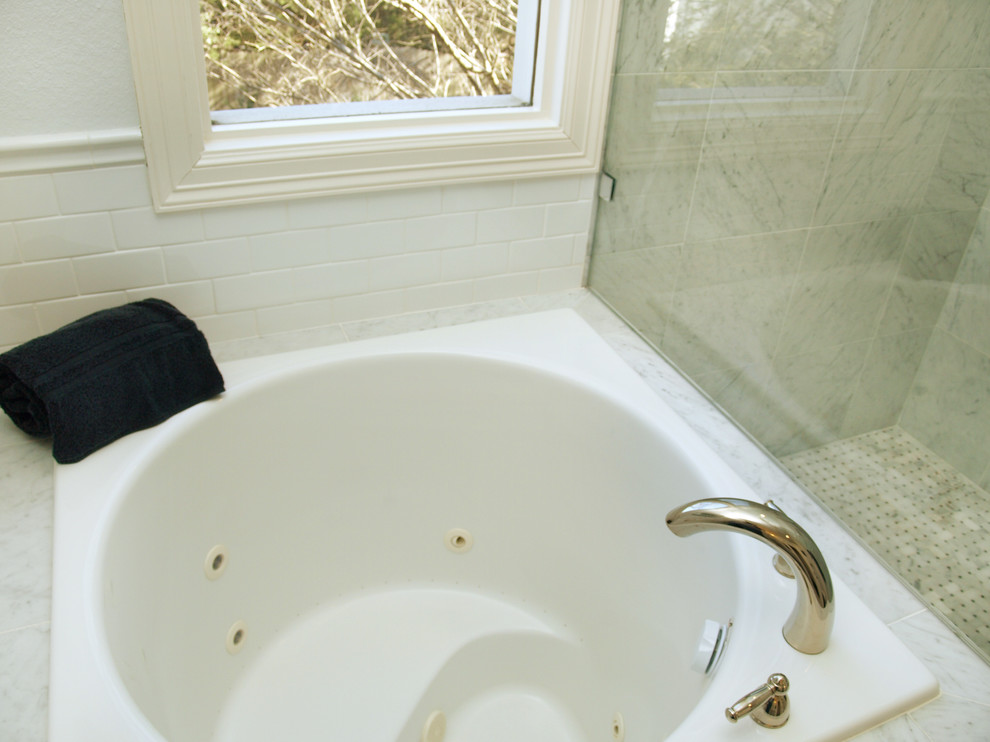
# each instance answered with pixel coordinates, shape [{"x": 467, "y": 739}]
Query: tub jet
[
  {"x": 235, "y": 637},
  {"x": 434, "y": 728}
]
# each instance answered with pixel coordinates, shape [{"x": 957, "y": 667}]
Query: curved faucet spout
[{"x": 810, "y": 624}]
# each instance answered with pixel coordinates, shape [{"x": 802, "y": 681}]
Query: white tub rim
[{"x": 256, "y": 372}]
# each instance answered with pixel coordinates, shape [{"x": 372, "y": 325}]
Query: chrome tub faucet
[{"x": 810, "y": 624}]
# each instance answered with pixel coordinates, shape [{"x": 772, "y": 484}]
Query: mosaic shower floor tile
[{"x": 927, "y": 521}]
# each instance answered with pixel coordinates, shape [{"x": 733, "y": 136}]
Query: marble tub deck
[{"x": 961, "y": 714}]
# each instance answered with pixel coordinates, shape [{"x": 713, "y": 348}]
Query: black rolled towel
[{"x": 106, "y": 375}]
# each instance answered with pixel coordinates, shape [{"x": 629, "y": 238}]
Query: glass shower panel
[{"x": 800, "y": 224}]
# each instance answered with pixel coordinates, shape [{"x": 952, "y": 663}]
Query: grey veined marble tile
[
  {"x": 725, "y": 326},
  {"x": 901, "y": 107},
  {"x": 730, "y": 299},
  {"x": 928, "y": 266},
  {"x": 948, "y": 408},
  {"x": 922, "y": 33},
  {"x": 660, "y": 36},
  {"x": 902, "y": 729},
  {"x": 960, "y": 672},
  {"x": 887, "y": 145},
  {"x": 961, "y": 178},
  {"x": 766, "y": 189},
  {"x": 885, "y": 381},
  {"x": 765, "y": 107},
  {"x": 865, "y": 182},
  {"x": 741, "y": 392},
  {"x": 981, "y": 53},
  {"x": 639, "y": 285},
  {"x": 766, "y": 147},
  {"x": 26, "y": 515},
  {"x": 967, "y": 308},
  {"x": 842, "y": 285},
  {"x": 650, "y": 207},
  {"x": 793, "y": 35},
  {"x": 652, "y": 149},
  {"x": 954, "y": 719},
  {"x": 24, "y": 684},
  {"x": 809, "y": 396},
  {"x": 657, "y": 118}
]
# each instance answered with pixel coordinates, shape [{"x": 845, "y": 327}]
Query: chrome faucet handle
[{"x": 768, "y": 704}]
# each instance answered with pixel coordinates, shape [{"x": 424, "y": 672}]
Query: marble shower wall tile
[
  {"x": 860, "y": 125},
  {"x": 763, "y": 191},
  {"x": 639, "y": 285},
  {"x": 981, "y": 54},
  {"x": 900, "y": 108},
  {"x": 887, "y": 144},
  {"x": 658, "y": 117},
  {"x": 948, "y": 409},
  {"x": 766, "y": 147},
  {"x": 968, "y": 306},
  {"x": 809, "y": 396},
  {"x": 884, "y": 384},
  {"x": 842, "y": 285},
  {"x": 928, "y": 266},
  {"x": 763, "y": 109},
  {"x": 792, "y": 34},
  {"x": 866, "y": 183},
  {"x": 961, "y": 178},
  {"x": 665, "y": 36},
  {"x": 740, "y": 392},
  {"x": 730, "y": 300},
  {"x": 653, "y": 214},
  {"x": 922, "y": 33},
  {"x": 741, "y": 258},
  {"x": 655, "y": 138}
]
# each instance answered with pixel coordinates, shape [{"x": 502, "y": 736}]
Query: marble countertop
[{"x": 960, "y": 714}]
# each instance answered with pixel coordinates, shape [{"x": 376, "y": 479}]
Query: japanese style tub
[{"x": 451, "y": 535}]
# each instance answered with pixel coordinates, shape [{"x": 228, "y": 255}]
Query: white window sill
[{"x": 193, "y": 163}]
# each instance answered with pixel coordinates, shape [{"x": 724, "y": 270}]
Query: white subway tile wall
[
  {"x": 27, "y": 197},
  {"x": 77, "y": 241},
  {"x": 8, "y": 250}
]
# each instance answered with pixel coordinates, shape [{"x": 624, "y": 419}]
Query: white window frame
[{"x": 194, "y": 164}]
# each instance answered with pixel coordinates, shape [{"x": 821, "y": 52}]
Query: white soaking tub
[{"x": 452, "y": 535}]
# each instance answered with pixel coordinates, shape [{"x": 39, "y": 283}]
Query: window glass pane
[{"x": 277, "y": 53}]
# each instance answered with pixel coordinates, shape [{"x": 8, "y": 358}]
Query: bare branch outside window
[{"x": 274, "y": 53}]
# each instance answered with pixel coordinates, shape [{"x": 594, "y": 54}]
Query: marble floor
[{"x": 921, "y": 516}]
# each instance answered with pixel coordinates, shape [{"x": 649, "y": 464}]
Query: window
[
  {"x": 194, "y": 162},
  {"x": 278, "y": 59}
]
